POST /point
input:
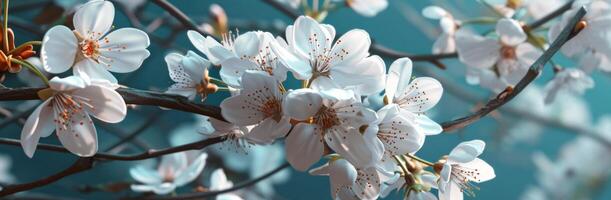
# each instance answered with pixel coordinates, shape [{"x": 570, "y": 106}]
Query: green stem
[
  {"x": 416, "y": 158},
  {"x": 32, "y": 69},
  {"x": 5, "y": 26},
  {"x": 217, "y": 81},
  {"x": 34, "y": 42},
  {"x": 223, "y": 89}
]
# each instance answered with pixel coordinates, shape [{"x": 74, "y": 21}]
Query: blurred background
[{"x": 537, "y": 151}]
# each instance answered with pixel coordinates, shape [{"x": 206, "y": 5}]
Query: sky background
[{"x": 400, "y": 27}]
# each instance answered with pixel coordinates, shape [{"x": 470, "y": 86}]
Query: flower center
[
  {"x": 89, "y": 48},
  {"x": 271, "y": 108},
  {"x": 265, "y": 60},
  {"x": 321, "y": 56},
  {"x": 326, "y": 118},
  {"x": 508, "y": 52},
  {"x": 69, "y": 109}
]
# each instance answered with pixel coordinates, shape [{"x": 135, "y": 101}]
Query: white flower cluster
[
  {"x": 500, "y": 59},
  {"x": 327, "y": 115},
  {"x": 91, "y": 50}
]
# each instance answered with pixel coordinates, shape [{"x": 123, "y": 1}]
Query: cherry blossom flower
[
  {"x": 260, "y": 104},
  {"x": 349, "y": 182},
  {"x": 310, "y": 55},
  {"x": 461, "y": 168},
  {"x": 400, "y": 135},
  {"x": 89, "y": 50},
  {"x": 333, "y": 117},
  {"x": 67, "y": 107},
  {"x": 508, "y": 58},
  {"x": 174, "y": 171},
  {"x": 413, "y": 97},
  {"x": 367, "y": 8},
  {"x": 219, "y": 181},
  {"x": 568, "y": 79},
  {"x": 237, "y": 137},
  {"x": 593, "y": 42},
  {"x": 190, "y": 72},
  {"x": 446, "y": 42}
]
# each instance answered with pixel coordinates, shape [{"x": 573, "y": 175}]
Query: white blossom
[
  {"x": 89, "y": 49},
  {"x": 174, "y": 171},
  {"x": 190, "y": 72},
  {"x": 67, "y": 108},
  {"x": 461, "y": 168},
  {"x": 569, "y": 79},
  {"x": 446, "y": 42}
]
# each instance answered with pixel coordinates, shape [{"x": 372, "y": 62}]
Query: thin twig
[
  {"x": 179, "y": 15},
  {"x": 211, "y": 194},
  {"x": 535, "y": 69}
]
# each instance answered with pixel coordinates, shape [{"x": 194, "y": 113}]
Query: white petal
[
  {"x": 351, "y": 48},
  {"x": 444, "y": 44},
  {"x": 368, "y": 8},
  {"x": 79, "y": 136},
  {"x": 269, "y": 130},
  {"x": 94, "y": 19},
  {"x": 428, "y": 126},
  {"x": 233, "y": 68},
  {"x": 371, "y": 72},
  {"x": 400, "y": 135},
  {"x": 421, "y": 95},
  {"x": 510, "y": 32},
  {"x": 192, "y": 171},
  {"x": 67, "y": 84},
  {"x": 218, "y": 180},
  {"x": 399, "y": 76},
  {"x": 452, "y": 192},
  {"x": 434, "y": 12},
  {"x": 124, "y": 50},
  {"x": 304, "y": 146},
  {"x": 476, "y": 51},
  {"x": 173, "y": 163},
  {"x": 367, "y": 184},
  {"x": 241, "y": 109},
  {"x": 202, "y": 44},
  {"x": 145, "y": 175},
  {"x": 351, "y": 145},
  {"x": 467, "y": 151},
  {"x": 485, "y": 172},
  {"x": 59, "y": 48},
  {"x": 108, "y": 105},
  {"x": 160, "y": 189},
  {"x": 176, "y": 70},
  {"x": 88, "y": 69},
  {"x": 527, "y": 53},
  {"x": 309, "y": 37},
  {"x": 247, "y": 45},
  {"x": 301, "y": 104},
  {"x": 39, "y": 123},
  {"x": 300, "y": 67}
]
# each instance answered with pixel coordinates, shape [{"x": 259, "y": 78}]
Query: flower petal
[
  {"x": 145, "y": 175},
  {"x": 269, "y": 130},
  {"x": 218, "y": 180},
  {"x": 67, "y": 84},
  {"x": 39, "y": 123},
  {"x": 107, "y": 104},
  {"x": 399, "y": 76},
  {"x": 477, "y": 51},
  {"x": 351, "y": 145},
  {"x": 301, "y": 104},
  {"x": 367, "y": 185},
  {"x": 510, "y": 32},
  {"x": 160, "y": 189},
  {"x": 79, "y": 136},
  {"x": 59, "y": 48},
  {"x": 300, "y": 67},
  {"x": 233, "y": 68},
  {"x": 304, "y": 146},
  {"x": 309, "y": 37},
  {"x": 192, "y": 171},
  {"x": 421, "y": 95},
  {"x": 370, "y": 70},
  {"x": 451, "y": 192},
  {"x": 88, "y": 69},
  {"x": 94, "y": 19},
  {"x": 350, "y": 48},
  {"x": 485, "y": 172},
  {"x": 124, "y": 50},
  {"x": 434, "y": 12},
  {"x": 467, "y": 151}
]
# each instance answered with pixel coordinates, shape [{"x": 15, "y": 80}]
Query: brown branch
[
  {"x": 82, "y": 164},
  {"x": 131, "y": 96},
  {"x": 534, "y": 71},
  {"x": 211, "y": 194}
]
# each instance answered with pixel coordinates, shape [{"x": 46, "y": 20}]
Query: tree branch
[
  {"x": 211, "y": 194},
  {"x": 535, "y": 69}
]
